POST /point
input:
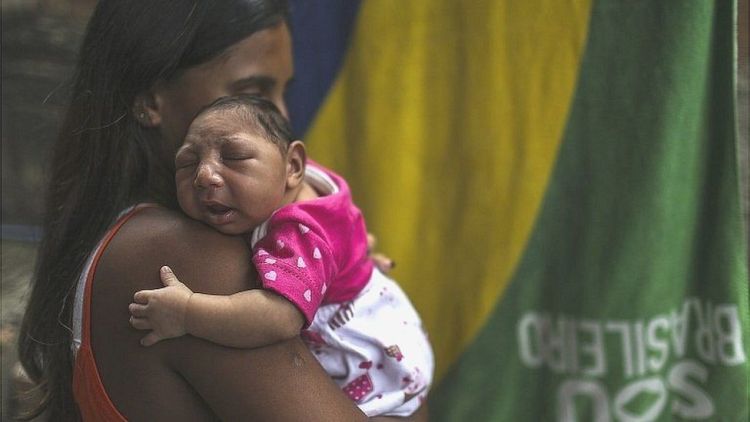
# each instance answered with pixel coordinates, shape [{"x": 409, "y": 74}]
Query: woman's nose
[
  {"x": 280, "y": 103},
  {"x": 207, "y": 177}
]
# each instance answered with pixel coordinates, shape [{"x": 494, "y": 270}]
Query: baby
[{"x": 240, "y": 171}]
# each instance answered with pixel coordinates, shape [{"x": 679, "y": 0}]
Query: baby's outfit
[{"x": 359, "y": 324}]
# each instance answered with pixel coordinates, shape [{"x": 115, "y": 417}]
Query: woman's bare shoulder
[
  {"x": 157, "y": 226},
  {"x": 203, "y": 258}
]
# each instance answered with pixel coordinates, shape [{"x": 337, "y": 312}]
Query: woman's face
[{"x": 261, "y": 64}]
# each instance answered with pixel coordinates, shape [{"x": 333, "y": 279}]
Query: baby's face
[{"x": 227, "y": 175}]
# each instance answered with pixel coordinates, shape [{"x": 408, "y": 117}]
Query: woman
[{"x": 145, "y": 68}]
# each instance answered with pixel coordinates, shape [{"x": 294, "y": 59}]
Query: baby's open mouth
[{"x": 218, "y": 209}]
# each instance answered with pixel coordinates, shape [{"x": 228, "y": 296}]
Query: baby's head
[{"x": 238, "y": 164}]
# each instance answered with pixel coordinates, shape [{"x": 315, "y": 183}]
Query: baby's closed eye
[{"x": 187, "y": 160}]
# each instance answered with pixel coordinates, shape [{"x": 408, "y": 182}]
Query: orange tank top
[{"x": 88, "y": 390}]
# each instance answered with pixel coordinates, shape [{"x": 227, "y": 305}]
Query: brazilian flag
[{"x": 558, "y": 183}]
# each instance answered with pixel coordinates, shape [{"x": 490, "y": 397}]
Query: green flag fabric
[{"x": 631, "y": 301}]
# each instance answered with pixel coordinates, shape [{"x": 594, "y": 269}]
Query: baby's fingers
[
  {"x": 142, "y": 296},
  {"x": 137, "y": 310},
  {"x": 140, "y": 323},
  {"x": 167, "y": 276},
  {"x": 150, "y": 339}
]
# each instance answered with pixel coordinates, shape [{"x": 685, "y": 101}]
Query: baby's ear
[{"x": 296, "y": 157}]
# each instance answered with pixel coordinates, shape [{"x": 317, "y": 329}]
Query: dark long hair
[{"x": 104, "y": 161}]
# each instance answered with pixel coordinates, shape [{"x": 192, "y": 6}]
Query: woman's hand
[
  {"x": 161, "y": 310},
  {"x": 384, "y": 264}
]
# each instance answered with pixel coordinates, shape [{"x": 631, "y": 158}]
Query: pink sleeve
[{"x": 295, "y": 261}]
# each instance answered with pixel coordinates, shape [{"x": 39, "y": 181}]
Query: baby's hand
[{"x": 162, "y": 310}]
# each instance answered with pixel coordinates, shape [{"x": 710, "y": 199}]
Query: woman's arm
[{"x": 278, "y": 382}]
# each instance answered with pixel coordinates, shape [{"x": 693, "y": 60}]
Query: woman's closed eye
[
  {"x": 260, "y": 86},
  {"x": 262, "y": 93}
]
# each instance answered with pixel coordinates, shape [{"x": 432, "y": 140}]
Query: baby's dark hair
[{"x": 259, "y": 112}]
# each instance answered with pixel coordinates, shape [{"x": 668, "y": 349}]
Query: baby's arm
[{"x": 246, "y": 319}]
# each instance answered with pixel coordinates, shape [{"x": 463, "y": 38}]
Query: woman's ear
[
  {"x": 146, "y": 109},
  {"x": 296, "y": 159}
]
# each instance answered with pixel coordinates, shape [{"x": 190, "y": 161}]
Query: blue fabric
[{"x": 320, "y": 36}]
